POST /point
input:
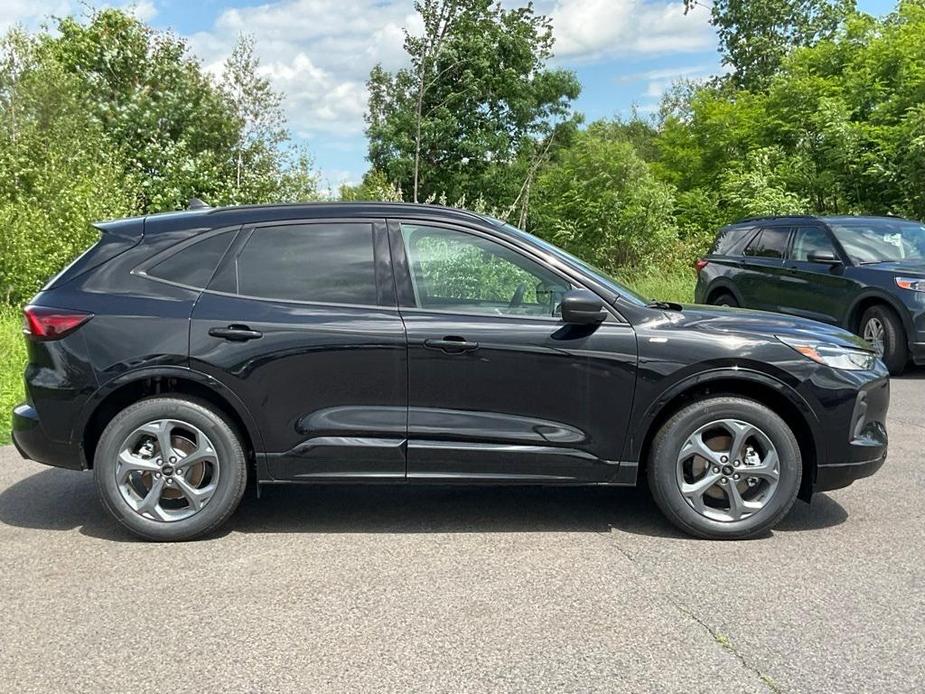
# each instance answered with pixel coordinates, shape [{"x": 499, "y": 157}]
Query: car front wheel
[
  {"x": 725, "y": 468},
  {"x": 882, "y": 329},
  {"x": 170, "y": 469}
]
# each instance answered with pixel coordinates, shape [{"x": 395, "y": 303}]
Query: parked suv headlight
[
  {"x": 836, "y": 356},
  {"x": 916, "y": 284}
]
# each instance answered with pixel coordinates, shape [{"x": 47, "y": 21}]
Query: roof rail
[{"x": 762, "y": 218}]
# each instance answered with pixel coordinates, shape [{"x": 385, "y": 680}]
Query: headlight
[
  {"x": 836, "y": 356},
  {"x": 916, "y": 284}
]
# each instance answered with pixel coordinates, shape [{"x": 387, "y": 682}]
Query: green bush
[{"x": 13, "y": 349}]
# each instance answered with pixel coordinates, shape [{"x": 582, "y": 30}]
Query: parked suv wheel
[
  {"x": 725, "y": 468},
  {"x": 724, "y": 299},
  {"x": 880, "y": 326},
  {"x": 170, "y": 469}
]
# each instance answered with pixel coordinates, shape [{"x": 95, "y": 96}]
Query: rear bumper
[{"x": 33, "y": 443}]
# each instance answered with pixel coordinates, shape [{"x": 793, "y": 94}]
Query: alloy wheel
[
  {"x": 874, "y": 333},
  {"x": 167, "y": 470},
  {"x": 728, "y": 470}
]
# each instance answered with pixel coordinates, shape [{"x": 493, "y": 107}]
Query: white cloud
[
  {"x": 31, "y": 13},
  {"x": 594, "y": 29}
]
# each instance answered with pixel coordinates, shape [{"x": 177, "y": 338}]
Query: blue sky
[{"x": 319, "y": 52}]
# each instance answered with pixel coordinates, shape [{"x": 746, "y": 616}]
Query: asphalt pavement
[{"x": 466, "y": 589}]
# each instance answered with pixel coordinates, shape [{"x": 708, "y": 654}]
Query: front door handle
[
  {"x": 236, "y": 333},
  {"x": 451, "y": 344}
]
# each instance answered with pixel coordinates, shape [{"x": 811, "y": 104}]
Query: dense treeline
[
  {"x": 821, "y": 109},
  {"x": 108, "y": 117}
]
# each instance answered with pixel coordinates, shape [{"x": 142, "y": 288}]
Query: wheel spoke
[
  {"x": 741, "y": 432},
  {"x": 197, "y": 497},
  {"x": 151, "y": 503},
  {"x": 201, "y": 453},
  {"x": 161, "y": 431},
  {"x": 694, "y": 490},
  {"x": 129, "y": 463},
  {"x": 695, "y": 445}
]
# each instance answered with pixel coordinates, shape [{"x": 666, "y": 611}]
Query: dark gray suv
[{"x": 866, "y": 274}]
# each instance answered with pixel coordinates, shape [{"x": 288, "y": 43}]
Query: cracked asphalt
[{"x": 462, "y": 589}]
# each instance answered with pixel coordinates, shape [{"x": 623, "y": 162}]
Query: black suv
[
  {"x": 865, "y": 274},
  {"x": 372, "y": 342}
]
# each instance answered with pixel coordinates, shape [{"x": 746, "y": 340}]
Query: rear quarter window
[
  {"x": 194, "y": 264},
  {"x": 732, "y": 241}
]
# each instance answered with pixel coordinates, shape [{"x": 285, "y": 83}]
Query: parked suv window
[
  {"x": 194, "y": 264},
  {"x": 731, "y": 241},
  {"x": 770, "y": 243},
  {"x": 455, "y": 271},
  {"x": 325, "y": 263},
  {"x": 811, "y": 240}
]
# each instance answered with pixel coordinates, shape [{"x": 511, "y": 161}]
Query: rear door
[
  {"x": 762, "y": 279},
  {"x": 300, "y": 321},
  {"x": 817, "y": 290}
]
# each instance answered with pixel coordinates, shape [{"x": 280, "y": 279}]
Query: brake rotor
[{"x": 194, "y": 475}]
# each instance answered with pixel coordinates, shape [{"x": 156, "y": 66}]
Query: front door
[
  {"x": 500, "y": 389},
  {"x": 817, "y": 290},
  {"x": 300, "y": 321}
]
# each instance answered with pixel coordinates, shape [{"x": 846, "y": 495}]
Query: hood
[
  {"x": 912, "y": 266},
  {"x": 743, "y": 322}
]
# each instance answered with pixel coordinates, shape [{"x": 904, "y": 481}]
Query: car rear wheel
[
  {"x": 725, "y": 468},
  {"x": 170, "y": 469},
  {"x": 880, "y": 326},
  {"x": 724, "y": 299}
]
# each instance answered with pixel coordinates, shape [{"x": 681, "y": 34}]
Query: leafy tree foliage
[
  {"x": 755, "y": 37},
  {"x": 108, "y": 117},
  {"x": 475, "y": 109}
]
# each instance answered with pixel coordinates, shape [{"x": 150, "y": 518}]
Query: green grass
[
  {"x": 12, "y": 361},
  {"x": 676, "y": 285}
]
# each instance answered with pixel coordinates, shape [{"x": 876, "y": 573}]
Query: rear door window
[
  {"x": 331, "y": 263},
  {"x": 771, "y": 243}
]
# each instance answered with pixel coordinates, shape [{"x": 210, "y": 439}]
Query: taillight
[
  {"x": 700, "y": 264},
  {"x": 43, "y": 323}
]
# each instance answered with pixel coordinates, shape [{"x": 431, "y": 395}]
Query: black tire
[
  {"x": 228, "y": 489},
  {"x": 895, "y": 352},
  {"x": 724, "y": 299},
  {"x": 663, "y": 468}
]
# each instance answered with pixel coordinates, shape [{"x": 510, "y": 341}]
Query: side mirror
[
  {"x": 581, "y": 307},
  {"x": 826, "y": 258}
]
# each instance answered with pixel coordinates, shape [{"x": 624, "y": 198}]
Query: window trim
[
  {"x": 141, "y": 270},
  {"x": 403, "y": 282},
  {"x": 381, "y": 262}
]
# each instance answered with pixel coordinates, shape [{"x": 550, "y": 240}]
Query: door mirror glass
[{"x": 582, "y": 307}]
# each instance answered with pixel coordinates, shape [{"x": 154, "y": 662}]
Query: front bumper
[
  {"x": 33, "y": 443},
  {"x": 840, "y": 475}
]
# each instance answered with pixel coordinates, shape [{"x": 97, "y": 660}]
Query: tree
[
  {"x": 476, "y": 107},
  {"x": 601, "y": 201},
  {"x": 754, "y": 37}
]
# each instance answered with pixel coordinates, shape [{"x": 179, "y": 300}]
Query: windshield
[
  {"x": 596, "y": 273},
  {"x": 880, "y": 240}
]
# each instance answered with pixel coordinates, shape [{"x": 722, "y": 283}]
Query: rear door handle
[
  {"x": 451, "y": 344},
  {"x": 236, "y": 333}
]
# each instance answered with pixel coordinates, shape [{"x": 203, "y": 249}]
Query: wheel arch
[
  {"x": 722, "y": 285},
  {"x": 875, "y": 298},
  {"x": 774, "y": 394},
  {"x": 121, "y": 392}
]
